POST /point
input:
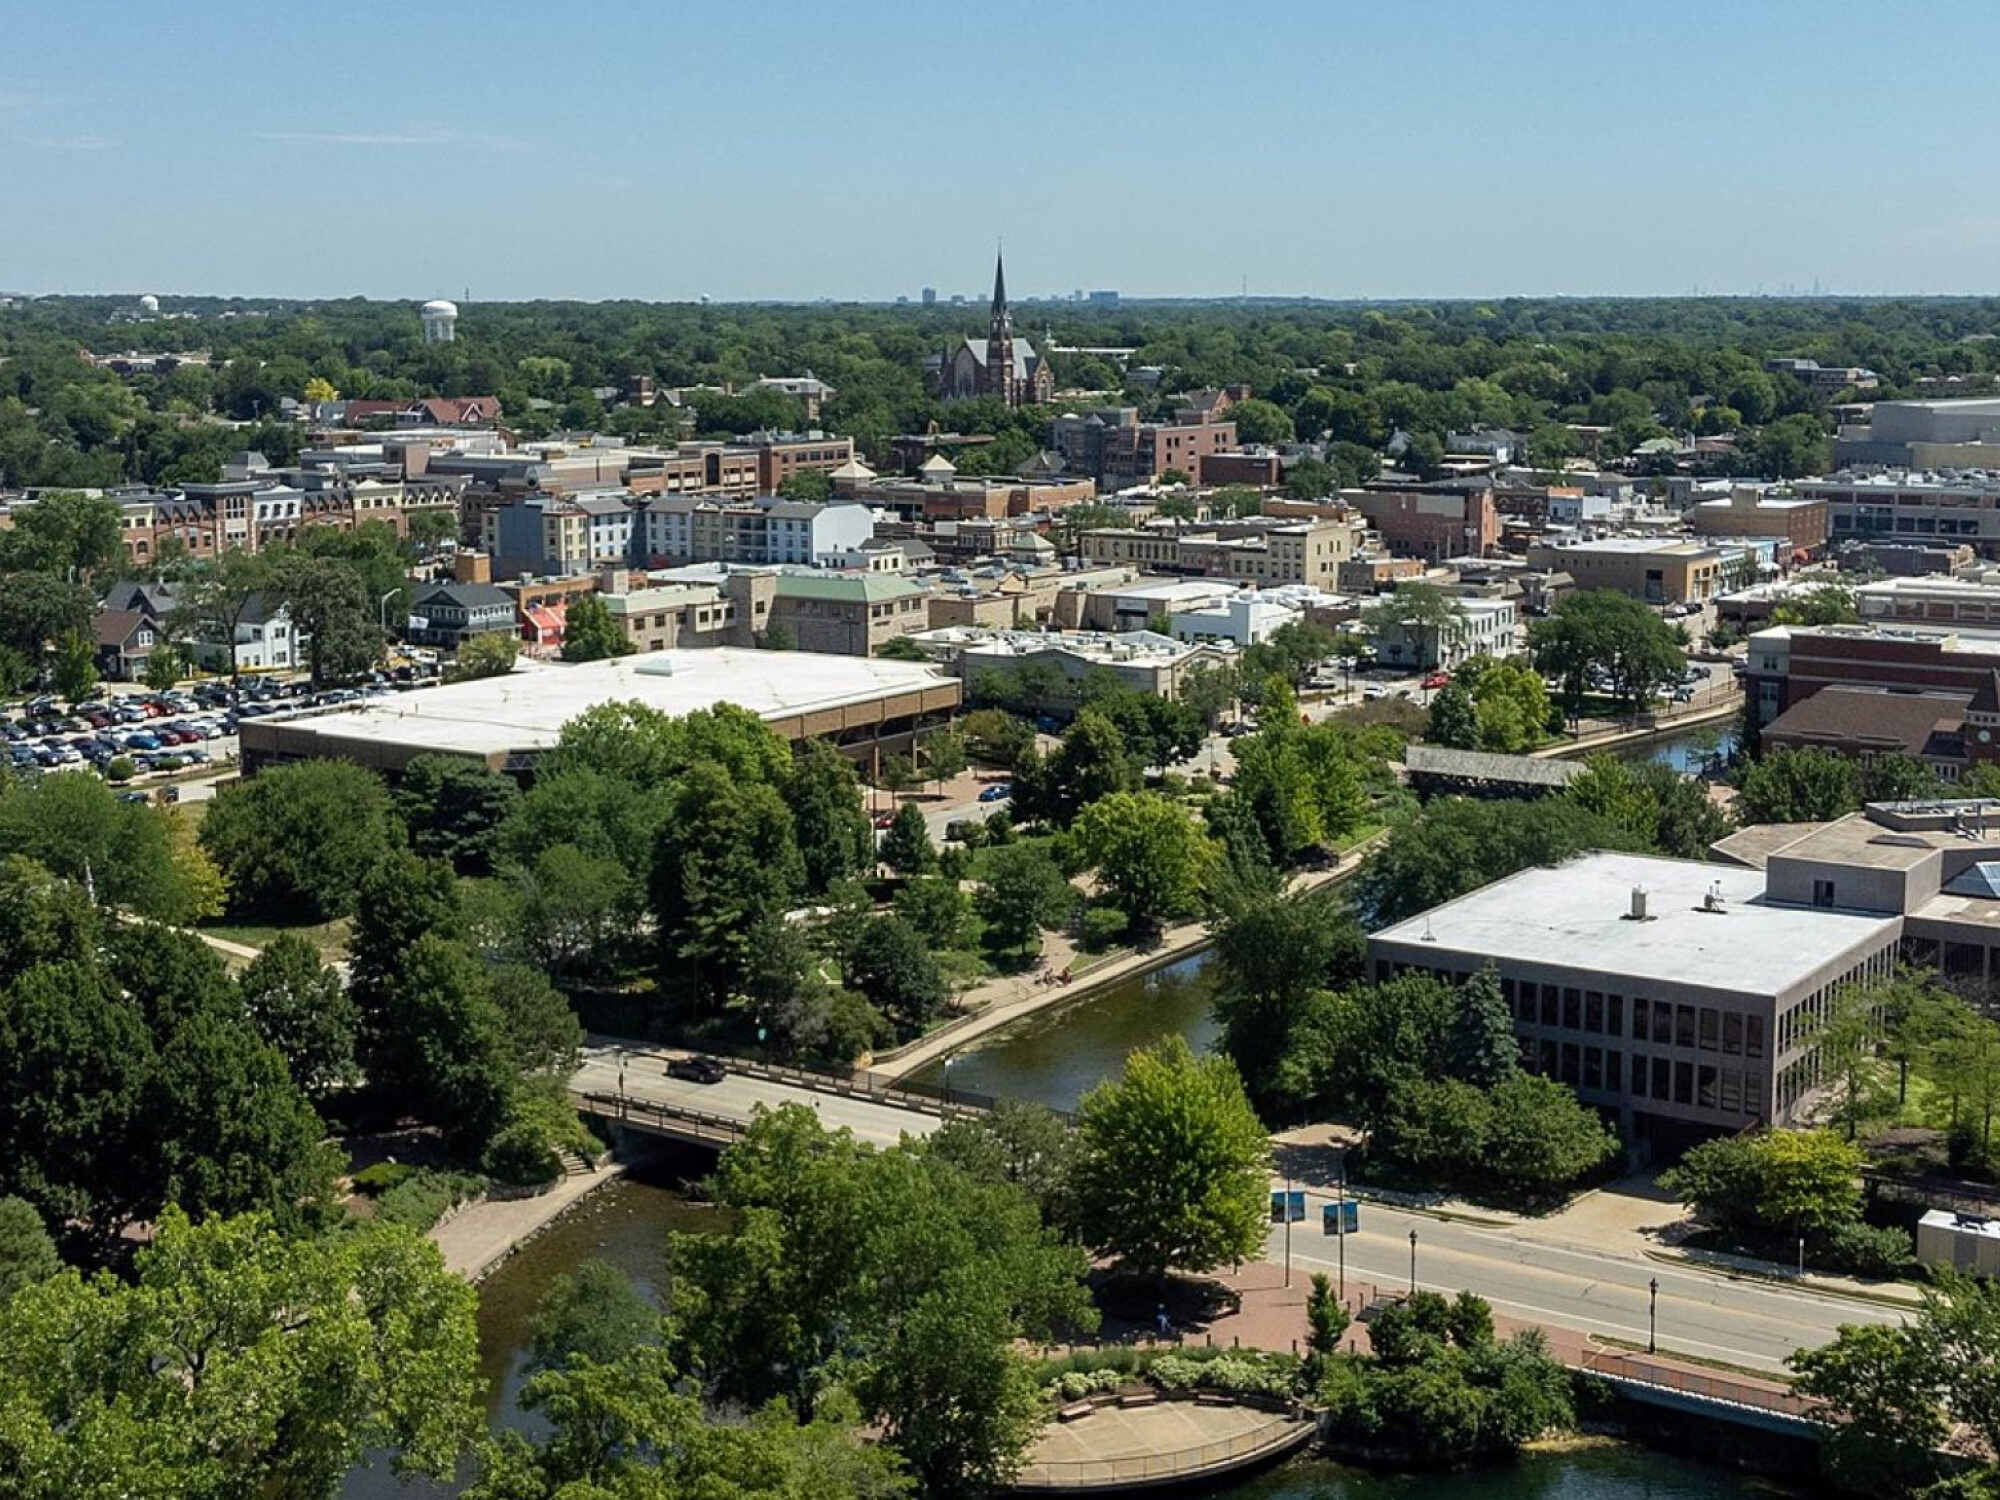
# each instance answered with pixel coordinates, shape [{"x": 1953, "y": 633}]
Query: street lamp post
[
  {"x": 382, "y": 608},
  {"x": 947, "y": 1084},
  {"x": 1288, "y": 1229},
  {"x": 1653, "y": 1317},
  {"x": 1341, "y": 1221},
  {"x": 621, "y": 1082},
  {"x": 1413, "y": 1262}
]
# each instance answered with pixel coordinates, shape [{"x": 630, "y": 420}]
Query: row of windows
[
  {"x": 1704, "y": 1028},
  {"x": 1669, "y": 1080}
]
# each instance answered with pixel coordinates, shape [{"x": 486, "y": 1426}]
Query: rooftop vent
[{"x": 1638, "y": 910}]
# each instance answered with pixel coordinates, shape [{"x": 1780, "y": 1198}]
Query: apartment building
[
  {"x": 763, "y": 531},
  {"x": 1116, "y": 449},
  {"x": 938, "y": 492},
  {"x": 1258, "y": 551},
  {"x": 780, "y": 455},
  {"x": 553, "y": 535},
  {"x": 1434, "y": 525},
  {"x": 667, "y": 617},
  {"x": 1485, "y": 627},
  {"x": 848, "y": 614},
  {"x": 1653, "y": 570}
]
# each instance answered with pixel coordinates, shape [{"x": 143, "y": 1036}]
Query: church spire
[{"x": 999, "y": 284}]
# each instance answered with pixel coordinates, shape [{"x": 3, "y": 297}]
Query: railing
[
  {"x": 1720, "y": 1388},
  {"x": 1140, "y": 1468},
  {"x": 924, "y": 1098},
  {"x": 675, "y": 1119}
]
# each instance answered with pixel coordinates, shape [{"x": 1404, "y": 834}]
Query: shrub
[
  {"x": 1075, "y": 1385},
  {"x": 120, "y": 768},
  {"x": 1867, "y": 1250},
  {"x": 521, "y": 1156},
  {"x": 421, "y": 1200},
  {"x": 378, "y": 1179},
  {"x": 1103, "y": 926},
  {"x": 1201, "y": 786}
]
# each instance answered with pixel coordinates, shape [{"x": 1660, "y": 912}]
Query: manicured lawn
[{"x": 329, "y": 937}]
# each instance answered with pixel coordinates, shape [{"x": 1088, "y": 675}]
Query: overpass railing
[
  {"x": 924, "y": 1098},
  {"x": 1720, "y": 1388},
  {"x": 674, "y": 1119}
]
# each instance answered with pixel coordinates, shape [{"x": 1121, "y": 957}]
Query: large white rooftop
[
  {"x": 526, "y": 709},
  {"x": 1577, "y": 915}
]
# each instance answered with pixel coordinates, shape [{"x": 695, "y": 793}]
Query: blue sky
[{"x": 864, "y": 150}]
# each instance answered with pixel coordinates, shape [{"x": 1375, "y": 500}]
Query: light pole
[
  {"x": 1653, "y": 1317},
  {"x": 1288, "y": 1229},
  {"x": 621, "y": 1082},
  {"x": 382, "y": 608},
  {"x": 947, "y": 1085},
  {"x": 1802, "y": 1257},
  {"x": 1413, "y": 1263},
  {"x": 1341, "y": 1222}
]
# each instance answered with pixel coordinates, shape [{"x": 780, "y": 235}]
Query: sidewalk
[{"x": 478, "y": 1238}]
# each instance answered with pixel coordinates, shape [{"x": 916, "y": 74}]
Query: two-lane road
[{"x": 1740, "y": 1321}]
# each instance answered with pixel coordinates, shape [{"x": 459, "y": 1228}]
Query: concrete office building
[
  {"x": 866, "y": 708},
  {"x": 1677, "y": 994},
  {"x": 854, "y": 614},
  {"x": 1259, "y": 552},
  {"x": 1486, "y": 629},
  {"x": 1919, "y": 506},
  {"x": 1955, "y": 434},
  {"x": 1800, "y": 521}
]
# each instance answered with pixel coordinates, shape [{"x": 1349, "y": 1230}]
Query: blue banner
[{"x": 1341, "y": 1218}]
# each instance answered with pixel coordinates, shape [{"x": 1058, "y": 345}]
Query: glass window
[
  {"x": 1639, "y": 1009},
  {"x": 1614, "y": 1015},
  {"x": 1705, "y": 1086},
  {"x": 1550, "y": 1001},
  {"x": 1569, "y": 1064},
  {"x": 1753, "y": 1036},
  {"x": 1593, "y": 1067},
  {"x": 1548, "y": 1068},
  {"x": 1639, "y": 1074},
  {"x": 1683, "y": 1083},
  {"x": 1593, "y": 1012},
  {"x": 1684, "y": 1026},
  {"x": 1507, "y": 995},
  {"x": 1732, "y": 1090},
  {"x": 1753, "y": 1094},
  {"x": 1572, "y": 1010},
  {"x": 1709, "y": 1028},
  {"x": 1526, "y": 1009},
  {"x": 1613, "y": 1072},
  {"x": 1732, "y": 1034},
  {"x": 1663, "y": 1022}
]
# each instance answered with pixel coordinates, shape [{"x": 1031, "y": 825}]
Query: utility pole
[{"x": 1288, "y": 1229}]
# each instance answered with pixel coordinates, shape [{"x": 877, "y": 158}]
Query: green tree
[
  {"x": 1259, "y": 421},
  {"x": 1454, "y": 719},
  {"x": 1150, "y": 854},
  {"x": 1609, "y": 632},
  {"x": 944, "y": 755},
  {"x": 1540, "y": 1139},
  {"x": 331, "y": 610},
  {"x": 936, "y": 908},
  {"x": 1653, "y": 805},
  {"x": 302, "y": 1008},
  {"x": 166, "y": 664},
  {"x": 725, "y": 864},
  {"x": 490, "y": 655},
  {"x": 298, "y": 838},
  {"x": 1326, "y": 1323},
  {"x": 73, "y": 668},
  {"x": 1172, "y": 1166},
  {"x": 272, "y": 1364},
  {"x": 125, "y": 854},
  {"x": 1428, "y": 622},
  {"x": 569, "y": 913},
  {"x": 906, "y": 847},
  {"x": 1023, "y": 892},
  {"x": 27, "y": 1254},
  {"x": 1764, "y": 1190},
  {"x": 828, "y": 818},
  {"x": 807, "y": 484},
  {"x": 1481, "y": 1044},
  {"x": 1089, "y": 764},
  {"x": 453, "y": 809},
  {"x": 593, "y": 1313},
  {"x": 215, "y": 597},
  {"x": 1797, "y": 786},
  {"x": 589, "y": 632},
  {"x": 1024, "y": 1144},
  {"x": 893, "y": 967},
  {"x": 1823, "y": 604},
  {"x": 65, "y": 534}
]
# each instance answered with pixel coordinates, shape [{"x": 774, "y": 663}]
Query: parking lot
[{"x": 161, "y": 732}]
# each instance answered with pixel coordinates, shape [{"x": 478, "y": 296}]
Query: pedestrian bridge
[{"x": 628, "y": 1082}]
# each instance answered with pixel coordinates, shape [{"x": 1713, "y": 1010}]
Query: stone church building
[{"x": 999, "y": 365}]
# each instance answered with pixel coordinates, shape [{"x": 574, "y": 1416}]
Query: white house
[{"x": 265, "y": 642}]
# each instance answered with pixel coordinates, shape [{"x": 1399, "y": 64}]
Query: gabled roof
[
  {"x": 465, "y": 595},
  {"x": 117, "y": 626}
]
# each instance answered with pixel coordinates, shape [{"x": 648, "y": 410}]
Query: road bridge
[{"x": 628, "y": 1082}]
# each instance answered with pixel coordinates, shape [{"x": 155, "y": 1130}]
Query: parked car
[
  {"x": 1374, "y": 690},
  {"x": 697, "y": 1069},
  {"x": 1000, "y": 791},
  {"x": 883, "y": 819},
  {"x": 1437, "y": 680}
]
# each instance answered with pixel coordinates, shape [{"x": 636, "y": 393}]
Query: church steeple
[{"x": 1000, "y": 377}]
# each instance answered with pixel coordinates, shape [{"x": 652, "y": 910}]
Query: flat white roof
[
  {"x": 527, "y": 708},
  {"x": 1575, "y": 915}
]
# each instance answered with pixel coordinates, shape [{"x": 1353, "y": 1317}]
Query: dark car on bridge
[{"x": 697, "y": 1069}]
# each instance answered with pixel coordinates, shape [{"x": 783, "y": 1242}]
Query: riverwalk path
[
  {"x": 1001, "y": 1002},
  {"x": 478, "y": 1237}
]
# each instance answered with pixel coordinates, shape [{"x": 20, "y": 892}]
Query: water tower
[
  {"x": 149, "y": 303},
  {"x": 440, "y": 321}
]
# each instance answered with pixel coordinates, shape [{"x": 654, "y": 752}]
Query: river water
[{"x": 1052, "y": 1058}]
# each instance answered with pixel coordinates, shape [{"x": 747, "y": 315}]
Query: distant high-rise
[
  {"x": 440, "y": 320},
  {"x": 930, "y": 296}
]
